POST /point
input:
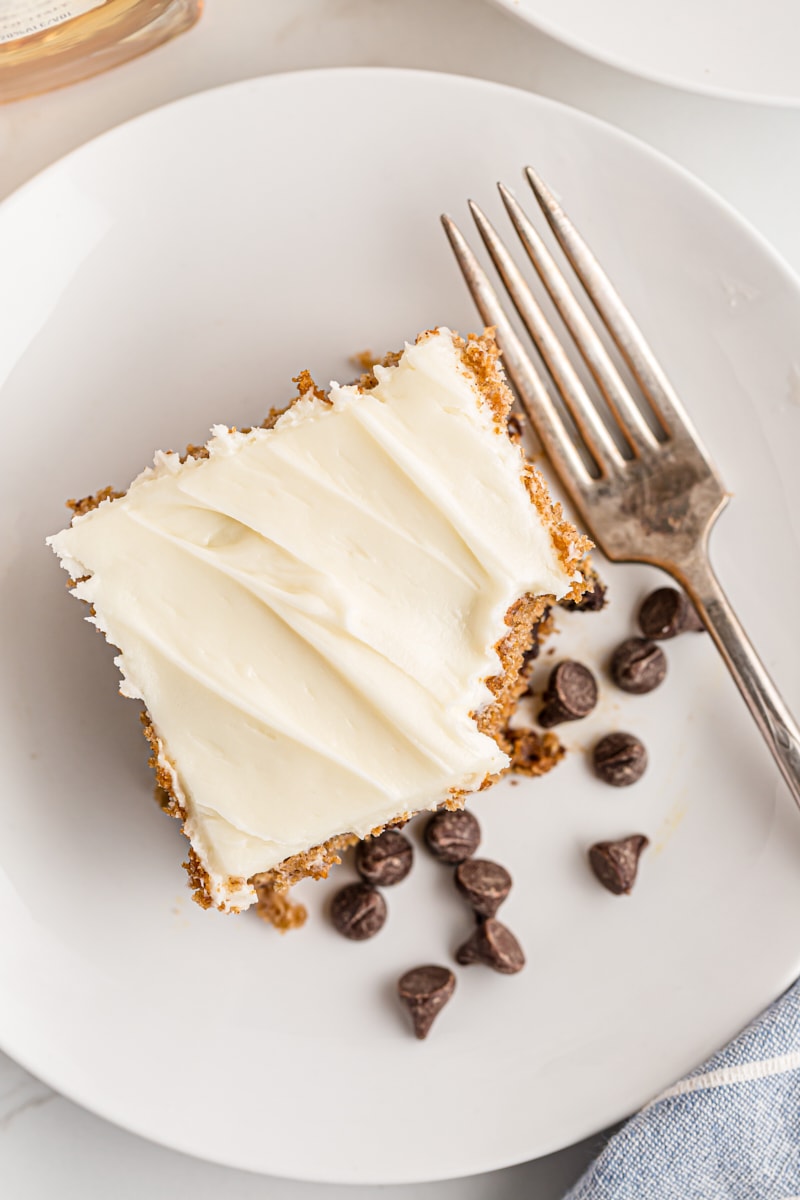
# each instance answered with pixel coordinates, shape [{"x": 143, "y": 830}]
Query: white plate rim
[
  {"x": 39, "y": 1068},
  {"x": 547, "y": 102},
  {"x": 620, "y": 63}
]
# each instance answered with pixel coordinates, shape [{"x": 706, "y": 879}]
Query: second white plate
[
  {"x": 177, "y": 272},
  {"x": 742, "y": 51}
]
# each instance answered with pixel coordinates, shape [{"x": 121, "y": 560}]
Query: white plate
[
  {"x": 741, "y": 51},
  {"x": 177, "y": 272}
]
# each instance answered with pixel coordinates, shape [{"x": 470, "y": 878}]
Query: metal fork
[{"x": 652, "y": 493}]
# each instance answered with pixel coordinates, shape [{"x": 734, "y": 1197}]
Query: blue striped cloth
[{"x": 728, "y": 1131}]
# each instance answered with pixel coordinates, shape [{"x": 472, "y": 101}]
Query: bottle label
[{"x": 22, "y": 18}]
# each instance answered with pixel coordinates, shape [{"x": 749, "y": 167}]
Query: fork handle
[{"x": 778, "y": 727}]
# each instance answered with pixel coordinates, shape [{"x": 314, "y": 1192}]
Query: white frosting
[{"x": 309, "y": 614}]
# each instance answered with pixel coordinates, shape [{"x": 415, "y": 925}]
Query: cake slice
[{"x": 325, "y": 617}]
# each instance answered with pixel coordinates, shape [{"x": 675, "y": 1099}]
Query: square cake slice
[{"x": 325, "y": 617}]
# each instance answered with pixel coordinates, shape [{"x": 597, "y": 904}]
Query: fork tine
[
  {"x": 627, "y": 413},
  {"x": 619, "y": 322},
  {"x": 589, "y": 422},
  {"x": 538, "y": 405}
]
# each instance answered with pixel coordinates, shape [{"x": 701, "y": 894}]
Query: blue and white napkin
[{"x": 728, "y": 1131}]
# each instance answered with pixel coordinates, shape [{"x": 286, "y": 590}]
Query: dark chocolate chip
[
  {"x": 620, "y": 759},
  {"x": 638, "y": 666},
  {"x": 425, "y": 991},
  {"x": 550, "y": 715},
  {"x": 484, "y": 884},
  {"x": 452, "y": 837},
  {"x": 591, "y": 600},
  {"x": 386, "y": 859},
  {"x": 514, "y": 426},
  {"x": 358, "y": 911},
  {"x": 571, "y": 694},
  {"x": 666, "y": 612},
  {"x": 615, "y": 863},
  {"x": 495, "y": 946}
]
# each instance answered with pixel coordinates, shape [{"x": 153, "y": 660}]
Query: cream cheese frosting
[{"x": 310, "y": 613}]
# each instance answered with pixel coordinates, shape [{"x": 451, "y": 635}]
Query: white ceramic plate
[
  {"x": 177, "y": 272},
  {"x": 743, "y": 51}
]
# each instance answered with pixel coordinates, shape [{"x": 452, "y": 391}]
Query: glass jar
[{"x": 48, "y": 43}]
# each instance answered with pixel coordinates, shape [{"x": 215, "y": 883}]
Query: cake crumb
[
  {"x": 193, "y": 451},
  {"x": 85, "y": 505},
  {"x": 364, "y": 360},
  {"x": 306, "y": 384},
  {"x": 532, "y": 753},
  {"x": 279, "y": 910}
]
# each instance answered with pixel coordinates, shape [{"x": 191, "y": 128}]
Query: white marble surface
[{"x": 48, "y": 1146}]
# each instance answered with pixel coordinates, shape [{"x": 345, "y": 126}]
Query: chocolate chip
[
  {"x": 592, "y": 600},
  {"x": 571, "y": 694},
  {"x": 666, "y": 612},
  {"x": 638, "y": 666},
  {"x": 484, "y": 884},
  {"x": 514, "y": 427},
  {"x": 620, "y": 759},
  {"x": 615, "y": 863},
  {"x": 386, "y": 859},
  {"x": 495, "y": 946},
  {"x": 425, "y": 991},
  {"x": 452, "y": 837},
  {"x": 358, "y": 911}
]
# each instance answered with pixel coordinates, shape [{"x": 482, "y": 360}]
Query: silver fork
[{"x": 656, "y": 500}]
